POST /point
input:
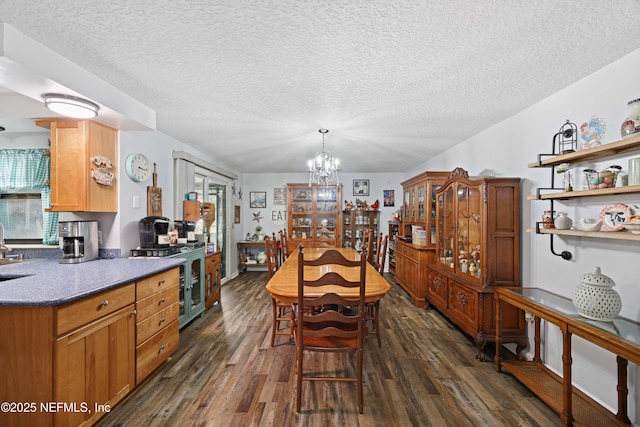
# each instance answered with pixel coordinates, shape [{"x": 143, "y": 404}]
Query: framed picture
[
  {"x": 389, "y": 197},
  {"x": 360, "y": 187},
  {"x": 236, "y": 215},
  {"x": 279, "y": 196},
  {"x": 257, "y": 199}
]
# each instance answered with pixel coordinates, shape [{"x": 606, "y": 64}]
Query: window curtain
[{"x": 29, "y": 170}]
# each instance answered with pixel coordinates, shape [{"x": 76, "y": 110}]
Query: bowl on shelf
[
  {"x": 590, "y": 224},
  {"x": 633, "y": 227}
]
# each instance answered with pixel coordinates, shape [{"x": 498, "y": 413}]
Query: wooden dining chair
[
  {"x": 284, "y": 245},
  {"x": 373, "y": 308},
  {"x": 328, "y": 322},
  {"x": 281, "y": 310},
  {"x": 367, "y": 244}
]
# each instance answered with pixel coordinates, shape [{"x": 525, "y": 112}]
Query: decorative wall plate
[{"x": 613, "y": 216}]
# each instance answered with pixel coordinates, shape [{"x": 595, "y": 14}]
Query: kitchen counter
[{"x": 49, "y": 283}]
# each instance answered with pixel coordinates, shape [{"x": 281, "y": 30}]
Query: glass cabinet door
[
  {"x": 469, "y": 231},
  {"x": 326, "y": 201},
  {"x": 412, "y": 212},
  {"x": 420, "y": 198},
  {"x": 196, "y": 285},
  {"x": 301, "y": 213},
  {"x": 407, "y": 202},
  {"x": 432, "y": 214},
  {"x": 446, "y": 228}
]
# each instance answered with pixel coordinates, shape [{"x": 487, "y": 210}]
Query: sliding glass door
[{"x": 212, "y": 188}]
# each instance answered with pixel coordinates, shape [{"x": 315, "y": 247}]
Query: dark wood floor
[{"x": 226, "y": 374}]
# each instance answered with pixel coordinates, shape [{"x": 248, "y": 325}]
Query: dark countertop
[{"x": 48, "y": 283}]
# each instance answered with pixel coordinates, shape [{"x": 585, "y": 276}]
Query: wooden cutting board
[{"x": 154, "y": 196}]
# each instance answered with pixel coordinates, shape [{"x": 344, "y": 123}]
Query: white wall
[{"x": 506, "y": 149}]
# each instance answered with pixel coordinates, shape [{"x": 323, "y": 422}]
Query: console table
[
  {"x": 249, "y": 247},
  {"x": 621, "y": 337}
]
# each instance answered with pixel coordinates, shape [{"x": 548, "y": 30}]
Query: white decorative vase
[
  {"x": 595, "y": 298},
  {"x": 562, "y": 221},
  {"x": 262, "y": 257}
]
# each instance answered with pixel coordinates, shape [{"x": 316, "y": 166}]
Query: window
[{"x": 23, "y": 222}]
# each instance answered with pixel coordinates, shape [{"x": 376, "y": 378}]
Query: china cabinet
[
  {"x": 393, "y": 234},
  {"x": 314, "y": 216},
  {"x": 83, "y": 154},
  {"x": 192, "y": 285},
  {"x": 552, "y": 194},
  {"x": 418, "y": 212},
  {"x": 354, "y": 225},
  {"x": 477, "y": 251}
]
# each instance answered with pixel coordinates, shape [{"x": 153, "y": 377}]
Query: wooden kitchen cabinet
[
  {"x": 157, "y": 312},
  {"x": 79, "y": 353},
  {"x": 213, "y": 272},
  {"x": 77, "y": 146},
  {"x": 477, "y": 251},
  {"x": 88, "y": 353}
]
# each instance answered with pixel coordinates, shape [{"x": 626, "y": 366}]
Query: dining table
[{"x": 283, "y": 285}]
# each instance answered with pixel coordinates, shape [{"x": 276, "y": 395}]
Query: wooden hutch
[
  {"x": 314, "y": 216},
  {"x": 418, "y": 210},
  {"x": 477, "y": 251}
]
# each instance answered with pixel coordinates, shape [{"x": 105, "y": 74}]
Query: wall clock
[{"x": 138, "y": 167}]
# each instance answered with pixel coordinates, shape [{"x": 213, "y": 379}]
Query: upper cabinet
[
  {"x": 314, "y": 215},
  {"x": 419, "y": 207},
  {"x": 83, "y": 166}
]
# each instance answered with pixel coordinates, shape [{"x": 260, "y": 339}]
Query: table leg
[
  {"x": 567, "y": 388},
  {"x": 623, "y": 391}
]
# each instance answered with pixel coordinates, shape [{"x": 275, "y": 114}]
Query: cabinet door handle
[
  {"x": 162, "y": 320},
  {"x": 161, "y": 282},
  {"x": 162, "y": 301},
  {"x": 105, "y": 303},
  {"x": 134, "y": 312},
  {"x": 162, "y": 347}
]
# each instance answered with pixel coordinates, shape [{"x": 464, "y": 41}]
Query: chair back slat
[
  {"x": 381, "y": 255},
  {"x": 284, "y": 244},
  {"x": 271, "y": 251}
]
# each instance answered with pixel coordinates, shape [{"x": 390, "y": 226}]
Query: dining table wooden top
[{"x": 284, "y": 283}]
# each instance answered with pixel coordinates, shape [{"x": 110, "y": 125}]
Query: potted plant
[{"x": 259, "y": 233}]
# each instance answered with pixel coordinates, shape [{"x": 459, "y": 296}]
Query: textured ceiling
[{"x": 395, "y": 82}]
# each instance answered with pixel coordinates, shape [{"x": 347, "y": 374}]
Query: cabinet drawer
[
  {"x": 156, "y": 302},
  {"x": 88, "y": 309},
  {"x": 154, "y": 351},
  {"x": 152, "y": 284},
  {"x": 154, "y": 323},
  {"x": 463, "y": 306},
  {"x": 437, "y": 289}
]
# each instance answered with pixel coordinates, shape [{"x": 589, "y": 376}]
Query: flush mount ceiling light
[
  {"x": 323, "y": 169},
  {"x": 70, "y": 106}
]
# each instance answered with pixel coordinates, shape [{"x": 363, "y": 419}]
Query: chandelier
[{"x": 323, "y": 169}]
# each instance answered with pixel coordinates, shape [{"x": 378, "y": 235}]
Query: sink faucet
[{"x": 3, "y": 248}]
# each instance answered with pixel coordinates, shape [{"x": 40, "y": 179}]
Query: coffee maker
[
  {"x": 78, "y": 241},
  {"x": 154, "y": 232}
]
